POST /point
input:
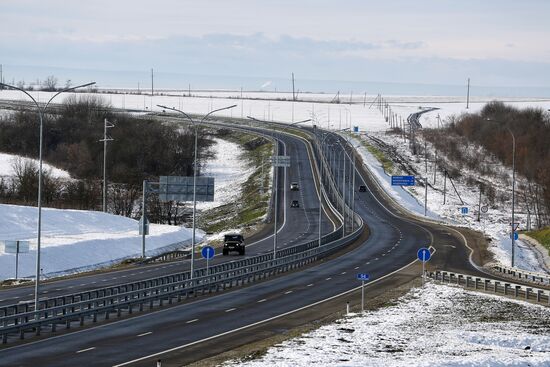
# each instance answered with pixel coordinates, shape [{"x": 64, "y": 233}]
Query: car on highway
[
  {"x": 294, "y": 204},
  {"x": 294, "y": 186},
  {"x": 362, "y": 188},
  {"x": 233, "y": 242}
]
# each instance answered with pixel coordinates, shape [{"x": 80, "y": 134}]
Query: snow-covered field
[
  {"x": 433, "y": 326},
  {"x": 77, "y": 240}
]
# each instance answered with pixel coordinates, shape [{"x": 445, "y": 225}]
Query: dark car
[
  {"x": 294, "y": 204},
  {"x": 362, "y": 188},
  {"x": 233, "y": 242}
]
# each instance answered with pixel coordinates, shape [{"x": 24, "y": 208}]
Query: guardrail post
[
  {"x": 506, "y": 285},
  {"x": 516, "y": 290},
  {"x": 4, "y": 338},
  {"x": 485, "y": 284},
  {"x": 539, "y": 292},
  {"x": 68, "y": 324},
  {"x": 496, "y": 284},
  {"x": 527, "y": 290}
]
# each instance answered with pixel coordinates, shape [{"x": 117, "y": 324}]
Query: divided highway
[{"x": 192, "y": 331}]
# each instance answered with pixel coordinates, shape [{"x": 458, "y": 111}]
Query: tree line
[
  {"x": 142, "y": 148},
  {"x": 492, "y": 128}
]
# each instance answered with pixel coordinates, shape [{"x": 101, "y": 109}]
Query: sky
[{"x": 329, "y": 45}]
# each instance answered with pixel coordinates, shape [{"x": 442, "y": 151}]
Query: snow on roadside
[
  {"x": 7, "y": 162},
  {"x": 494, "y": 223},
  {"x": 78, "y": 240},
  {"x": 228, "y": 171},
  {"x": 435, "y": 326}
]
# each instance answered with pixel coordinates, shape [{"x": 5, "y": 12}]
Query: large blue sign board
[
  {"x": 424, "y": 254},
  {"x": 362, "y": 276},
  {"x": 402, "y": 180},
  {"x": 207, "y": 252}
]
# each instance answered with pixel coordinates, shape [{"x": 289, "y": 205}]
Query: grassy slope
[
  {"x": 543, "y": 236},
  {"x": 252, "y": 206}
]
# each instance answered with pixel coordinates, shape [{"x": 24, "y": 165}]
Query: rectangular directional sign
[
  {"x": 362, "y": 276},
  {"x": 464, "y": 210},
  {"x": 14, "y": 247},
  {"x": 180, "y": 188},
  {"x": 280, "y": 161},
  {"x": 402, "y": 180}
]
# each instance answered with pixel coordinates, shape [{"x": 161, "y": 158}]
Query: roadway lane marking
[
  {"x": 147, "y": 333},
  {"x": 232, "y": 331},
  {"x": 192, "y": 321},
  {"x": 342, "y": 273},
  {"x": 262, "y": 300},
  {"x": 356, "y": 268},
  {"x": 310, "y": 285},
  {"x": 288, "y": 292},
  {"x": 230, "y": 310},
  {"x": 367, "y": 263},
  {"x": 85, "y": 350},
  {"x": 328, "y": 278}
]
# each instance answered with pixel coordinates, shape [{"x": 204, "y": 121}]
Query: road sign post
[
  {"x": 208, "y": 253},
  {"x": 16, "y": 247},
  {"x": 362, "y": 277},
  {"x": 423, "y": 255}
]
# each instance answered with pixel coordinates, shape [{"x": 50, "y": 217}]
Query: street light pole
[
  {"x": 195, "y": 162},
  {"x": 41, "y": 112},
  {"x": 512, "y": 225}
]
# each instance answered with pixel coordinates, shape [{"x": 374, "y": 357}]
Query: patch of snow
[
  {"x": 78, "y": 240},
  {"x": 7, "y": 162},
  {"x": 433, "y": 326},
  {"x": 228, "y": 171}
]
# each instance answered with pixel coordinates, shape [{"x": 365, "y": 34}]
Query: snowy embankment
[
  {"x": 77, "y": 240},
  {"x": 434, "y": 326}
]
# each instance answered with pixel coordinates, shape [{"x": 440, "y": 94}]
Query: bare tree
[{"x": 50, "y": 84}]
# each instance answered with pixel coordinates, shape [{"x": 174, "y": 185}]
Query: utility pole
[
  {"x": 479, "y": 204},
  {"x": 152, "y": 90},
  {"x": 1, "y": 77},
  {"x": 468, "y": 95},
  {"x": 293, "y": 95},
  {"x": 425, "y": 195},
  {"x": 445, "y": 187},
  {"x": 365, "y": 100},
  {"x": 105, "y": 139}
]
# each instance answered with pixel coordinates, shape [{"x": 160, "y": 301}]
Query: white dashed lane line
[
  {"x": 310, "y": 285},
  {"x": 328, "y": 278},
  {"x": 147, "y": 333},
  {"x": 288, "y": 292},
  {"x": 85, "y": 350},
  {"x": 230, "y": 310},
  {"x": 262, "y": 300},
  {"x": 192, "y": 321}
]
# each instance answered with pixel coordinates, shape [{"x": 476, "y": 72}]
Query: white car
[{"x": 294, "y": 186}]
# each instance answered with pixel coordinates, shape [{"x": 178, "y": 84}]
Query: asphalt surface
[
  {"x": 295, "y": 225},
  {"x": 169, "y": 334}
]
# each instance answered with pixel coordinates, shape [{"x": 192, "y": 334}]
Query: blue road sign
[
  {"x": 207, "y": 252},
  {"x": 356, "y": 129},
  {"x": 423, "y": 254},
  {"x": 362, "y": 276},
  {"x": 402, "y": 180},
  {"x": 516, "y": 236},
  {"x": 464, "y": 210}
]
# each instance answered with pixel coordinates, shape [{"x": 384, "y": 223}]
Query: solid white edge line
[{"x": 262, "y": 321}]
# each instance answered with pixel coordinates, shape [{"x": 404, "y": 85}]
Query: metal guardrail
[
  {"x": 22, "y": 318},
  {"x": 524, "y": 275},
  {"x": 522, "y": 291},
  {"x": 91, "y": 305}
]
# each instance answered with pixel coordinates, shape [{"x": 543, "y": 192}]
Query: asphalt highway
[
  {"x": 295, "y": 225},
  {"x": 169, "y": 334}
]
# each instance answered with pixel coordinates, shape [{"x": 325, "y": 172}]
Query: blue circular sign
[
  {"x": 423, "y": 254},
  {"x": 207, "y": 252}
]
